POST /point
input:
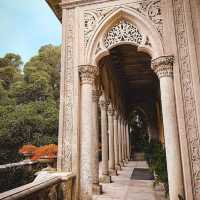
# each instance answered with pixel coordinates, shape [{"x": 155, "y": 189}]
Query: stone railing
[
  {"x": 16, "y": 174},
  {"x": 46, "y": 186},
  {"x": 25, "y": 164}
]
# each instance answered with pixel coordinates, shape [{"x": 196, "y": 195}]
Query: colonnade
[
  {"x": 114, "y": 135},
  {"x": 114, "y": 131}
]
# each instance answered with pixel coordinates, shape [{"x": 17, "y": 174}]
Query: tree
[
  {"x": 47, "y": 65},
  {"x": 11, "y": 59},
  {"x": 10, "y": 69},
  {"x": 29, "y": 101}
]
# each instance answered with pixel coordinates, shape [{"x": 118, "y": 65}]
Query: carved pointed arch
[{"x": 148, "y": 38}]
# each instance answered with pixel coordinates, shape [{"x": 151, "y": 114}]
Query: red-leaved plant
[
  {"x": 45, "y": 152},
  {"x": 28, "y": 149}
]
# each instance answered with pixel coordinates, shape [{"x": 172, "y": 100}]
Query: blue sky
[{"x": 26, "y": 25}]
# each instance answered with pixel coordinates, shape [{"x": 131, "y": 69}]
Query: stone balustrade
[
  {"x": 47, "y": 185},
  {"x": 16, "y": 174},
  {"x": 27, "y": 164}
]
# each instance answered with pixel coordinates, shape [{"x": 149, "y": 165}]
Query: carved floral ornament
[
  {"x": 88, "y": 73},
  {"x": 163, "y": 66},
  {"x": 123, "y": 31}
]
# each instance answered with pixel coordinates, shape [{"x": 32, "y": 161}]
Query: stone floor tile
[{"x": 123, "y": 188}]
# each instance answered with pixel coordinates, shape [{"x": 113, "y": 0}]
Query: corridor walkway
[{"x": 123, "y": 188}]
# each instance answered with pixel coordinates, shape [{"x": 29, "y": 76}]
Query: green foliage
[
  {"x": 15, "y": 178},
  {"x": 138, "y": 133},
  {"x": 44, "y": 69},
  {"x": 11, "y": 59},
  {"x": 156, "y": 157},
  {"x": 28, "y": 101},
  {"x": 10, "y": 69},
  {"x": 154, "y": 151}
]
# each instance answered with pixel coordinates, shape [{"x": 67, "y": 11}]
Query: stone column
[
  {"x": 128, "y": 142},
  {"x": 120, "y": 142},
  {"x": 97, "y": 189},
  {"x": 87, "y": 74},
  {"x": 112, "y": 170},
  {"x": 116, "y": 142},
  {"x": 122, "y": 138},
  {"x": 125, "y": 143},
  {"x": 104, "y": 140},
  {"x": 163, "y": 67}
]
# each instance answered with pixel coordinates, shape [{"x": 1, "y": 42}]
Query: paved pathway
[{"x": 123, "y": 188}]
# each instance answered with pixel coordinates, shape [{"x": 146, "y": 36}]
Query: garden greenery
[{"x": 29, "y": 101}]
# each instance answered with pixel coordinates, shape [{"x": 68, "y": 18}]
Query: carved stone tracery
[{"x": 123, "y": 31}]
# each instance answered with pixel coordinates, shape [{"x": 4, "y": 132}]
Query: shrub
[
  {"x": 48, "y": 151},
  {"x": 156, "y": 157},
  {"x": 28, "y": 149}
]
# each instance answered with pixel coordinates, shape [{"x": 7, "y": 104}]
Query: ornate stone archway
[
  {"x": 123, "y": 25},
  {"x": 126, "y": 26}
]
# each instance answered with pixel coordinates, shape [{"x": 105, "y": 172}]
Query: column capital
[
  {"x": 116, "y": 115},
  {"x": 87, "y": 73},
  {"x": 96, "y": 95},
  {"x": 110, "y": 110},
  {"x": 121, "y": 120},
  {"x": 103, "y": 102},
  {"x": 163, "y": 66}
]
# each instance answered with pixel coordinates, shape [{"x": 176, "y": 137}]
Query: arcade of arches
[
  {"x": 125, "y": 79},
  {"x": 119, "y": 56}
]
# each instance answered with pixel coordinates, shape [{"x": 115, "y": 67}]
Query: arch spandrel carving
[
  {"x": 150, "y": 40},
  {"x": 151, "y": 9}
]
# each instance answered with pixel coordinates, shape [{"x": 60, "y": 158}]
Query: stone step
[{"x": 139, "y": 156}]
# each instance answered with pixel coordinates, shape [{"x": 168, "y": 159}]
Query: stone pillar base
[
  {"x": 113, "y": 172},
  {"x": 122, "y": 164},
  {"x": 126, "y": 160},
  {"x": 118, "y": 167},
  {"x": 105, "y": 179},
  {"x": 97, "y": 189}
]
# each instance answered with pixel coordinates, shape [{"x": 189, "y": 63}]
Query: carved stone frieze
[
  {"x": 65, "y": 140},
  {"x": 190, "y": 114},
  {"x": 88, "y": 73},
  {"x": 123, "y": 31},
  {"x": 163, "y": 66}
]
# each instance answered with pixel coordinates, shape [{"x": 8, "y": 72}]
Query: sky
[{"x": 25, "y": 26}]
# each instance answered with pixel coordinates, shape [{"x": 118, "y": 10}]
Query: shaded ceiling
[
  {"x": 55, "y": 6},
  {"x": 133, "y": 70}
]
